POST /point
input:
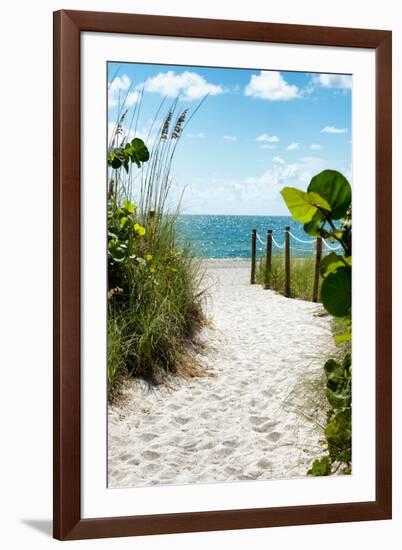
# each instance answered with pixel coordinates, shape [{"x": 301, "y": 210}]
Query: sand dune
[{"x": 235, "y": 424}]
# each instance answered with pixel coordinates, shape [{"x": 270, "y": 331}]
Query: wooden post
[
  {"x": 268, "y": 260},
  {"x": 253, "y": 254},
  {"x": 287, "y": 262},
  {"x": 318, "y": 254}
]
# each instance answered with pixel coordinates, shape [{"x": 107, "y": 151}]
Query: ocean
[{"x": 230, "y": 236}]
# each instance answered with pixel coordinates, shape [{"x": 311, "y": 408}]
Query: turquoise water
[{"x": 230, "y": 236}]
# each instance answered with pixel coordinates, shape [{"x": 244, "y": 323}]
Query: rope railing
[
  {"x": 316, "y": 246},
  {"x": 297, "y": 239},
  {"x": 276, "y": 244},
  {"x": 310, "y": 241}
]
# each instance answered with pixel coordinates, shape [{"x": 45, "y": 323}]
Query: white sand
[{"x": 235, "y": 424}]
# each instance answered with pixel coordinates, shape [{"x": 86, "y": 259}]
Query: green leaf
[
  {"x": 116, "y": 163},
  {"x": 335, "y": 189},
  {"x": 320, "y": 467},
  {"x": 123, "y": 221},
  {"x": 129, "y": 206},
  {"x": 140, "y": 149},
  {"x": 336, "y": 292},
  {"x": 330, "y": 366},
  {"x": 312, "y": 228},
  {"x": 345, "y": 337},
  {"x": 303, "y": 206},
  {"x": 330, "y": 263}
]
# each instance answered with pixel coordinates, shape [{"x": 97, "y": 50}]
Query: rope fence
[
  {"x": 270, "y": 242},
  {"x": 297, "y": 239}
]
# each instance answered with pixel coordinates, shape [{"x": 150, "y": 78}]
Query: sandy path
[{"x": 233, "y": 425}]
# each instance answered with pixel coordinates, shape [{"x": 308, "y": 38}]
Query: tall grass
[
  {"x": 155, "y": 301},
  {"x": 301, "y": 276}
]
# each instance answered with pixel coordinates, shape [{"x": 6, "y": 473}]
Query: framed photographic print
[{"x": 204, "y": 175}]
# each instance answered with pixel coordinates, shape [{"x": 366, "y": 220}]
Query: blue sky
[{"x": 256, "y": 132}]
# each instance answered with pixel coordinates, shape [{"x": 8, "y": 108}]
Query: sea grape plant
[
  {"x": 326, "y": 201},
  {"x": 124, "y": 231},
  {"x": 133, "y": 152},
  {"x": 325, "y": 211}
]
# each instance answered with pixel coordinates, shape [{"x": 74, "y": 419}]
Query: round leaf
[
  {"x": 335, "y": 189},
  {"x": 329, "y": 263},
  {"x": 139, "y": 150},
  {"x": 116, "y": 163},
  {"x": 303, "y": 206},
  {"x": 336, "y": 292}
]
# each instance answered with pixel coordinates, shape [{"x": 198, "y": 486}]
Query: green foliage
[
  {"x": 338, "y": 431},
  {"x": 336, "y": 291},
  {"x": 135, "y": 152},
  {"x": 339, "y": 387},
  {"x": 160, "y": 305},
  {"x": 301, "y": 281},
  {"x": 335, "y": 189},
  {"x": 122, "y": 232},
  {"x": 303, "y": 206},
  {"x": 331, "y": 262},
  {"x": 154, "y": 285},
  {"x": 321, "y": 467},
  {"x": 319, "y": 216}
]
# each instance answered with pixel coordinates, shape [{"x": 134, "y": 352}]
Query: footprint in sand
[
  {"x": 182, "y": 420},
  {"x": 224, "y": 451},
  {"x": 264, "y": 464},
  {"x": 147, "y": 437},
  {"x": 150, "y": 455},
  {"x": 257, "y": 420},
  {"x": 230, "y": 442},
  {"x": 274, "y": 436},
  {"x": 266, "y": 427}
]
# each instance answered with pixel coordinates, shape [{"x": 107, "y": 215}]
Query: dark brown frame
[{"x": 68, "y": 26}]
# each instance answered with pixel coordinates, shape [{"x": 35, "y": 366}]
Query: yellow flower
[
  {"x": 139, "y": 229},
  {"x": 152, "y": 269},
  {"x": 148, "y": 257}
]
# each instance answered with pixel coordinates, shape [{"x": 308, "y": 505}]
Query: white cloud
[
  {"x": 267, "y": 146},
  {"x": 293, "y": 147},
  {"x": 118, "y": 92},
  {"x": 315, "y": 147},
  {"x": 188, "y": 85},
  {"x": 267, "y": 138},
  {"x": 258, "y": 193},
  {"x": 309, "y": 167},
  {"x": 119, "y": 83},
  {"x": 333, "y": 130},
  {"x": 200, "y": 135},
  {"x": 272, "y": 86},
  {"x": 343, "y": 81},
  {"x": 230, "y": 138}
]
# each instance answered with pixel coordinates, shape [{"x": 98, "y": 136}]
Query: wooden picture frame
[{"x": 68, "y": 26}]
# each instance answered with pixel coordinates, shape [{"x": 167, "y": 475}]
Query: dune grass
[
  {"x": 155, "y": 291},
  {"x": 157, "y": 312},
  {"x": 301, "y": 276}
]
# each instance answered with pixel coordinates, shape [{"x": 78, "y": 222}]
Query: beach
[{"x": 235, "y": 422}]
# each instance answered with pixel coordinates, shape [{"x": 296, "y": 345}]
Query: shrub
[
  {"x": 301, "y": 280},
  {"x": 154, "y": 283},
  {"x": 327, "y": 199}
]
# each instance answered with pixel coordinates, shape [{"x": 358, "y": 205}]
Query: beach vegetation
[
  {"x": 328, "y": 199},
  {"x": 301, "y": 281},
  {"x": 154, "y": 281}
]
